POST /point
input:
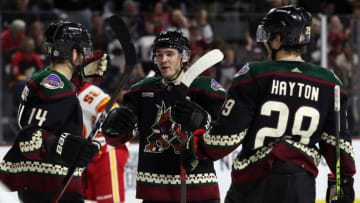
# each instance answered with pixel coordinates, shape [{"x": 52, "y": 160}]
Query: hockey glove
[
  {"x": 120, "y": 121},
  {"x": 96, "y": 65},
  {"x": 347, "y": 190},
  {"x": 189, "y": 151},
  {"x": 72, "y": 149},
  {"x": 191, "y": 116}
]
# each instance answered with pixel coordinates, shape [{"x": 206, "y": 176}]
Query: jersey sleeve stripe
[
  {"x": 207, "y": 93},
  {"x": 101, "y": 106}
]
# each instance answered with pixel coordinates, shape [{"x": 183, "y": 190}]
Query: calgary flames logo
[{"x": 166, "y": 133}]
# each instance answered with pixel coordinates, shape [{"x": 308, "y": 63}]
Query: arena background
[{"x": 229, "y": 25}]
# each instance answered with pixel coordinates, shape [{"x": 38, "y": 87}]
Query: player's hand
[
  {"x": 189, "y": 152},
  {"x": 191, "y": 116},
  {"x": 72, "y": 149},
  {"x": 347, "y": 190},
  {"x": 120, "y": 121},
  {"x": 96, "y": 65}
]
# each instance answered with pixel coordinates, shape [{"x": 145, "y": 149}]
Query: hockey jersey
[
  {"x": 158, "y": 176},
  {"x": 107, "y": 184},
  {"x": 282, "y": 110},
  {"x": 49, "y": 106},
  {"x": 93, "y": 101}
]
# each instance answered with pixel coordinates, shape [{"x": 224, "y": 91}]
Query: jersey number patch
[
  {"x": 37, "y": 113},
  {"x": 301, "y": 113}
]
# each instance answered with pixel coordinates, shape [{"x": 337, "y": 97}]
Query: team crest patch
[
  {"x": 52, "y": 82},
  {"x": 243, "y": 70},
  {"x": 216, "y": 86}
]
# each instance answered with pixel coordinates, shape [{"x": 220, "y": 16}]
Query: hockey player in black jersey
[
  {"x": 279, "y": 110},
  {"x": 146, "y": 111},
  {"x": 50, "y": 119}
]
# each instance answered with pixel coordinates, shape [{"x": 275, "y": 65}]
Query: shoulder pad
[
  {"x": 208, "y": 84},
  {"x": 51, "y": 84}
]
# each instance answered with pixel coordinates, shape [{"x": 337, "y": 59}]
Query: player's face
[{"x": 168, "y": 61}]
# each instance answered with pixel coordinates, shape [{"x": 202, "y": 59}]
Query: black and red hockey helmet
[
  {"x": 291, "y": 22},
  {"x": 172, "y": 39},
  {"x": 62, "y": 37}
]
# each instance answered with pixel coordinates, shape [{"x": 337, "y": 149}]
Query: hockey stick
[
  {"x": 203, "y": 63},
  {"x": 123, "y": 35},
  {"x": 337, "y": 137}
]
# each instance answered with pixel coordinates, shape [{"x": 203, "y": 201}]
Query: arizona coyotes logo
[{"x": 166, "y": 133}]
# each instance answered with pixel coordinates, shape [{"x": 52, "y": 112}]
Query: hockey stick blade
[
  {"x": 203, "y": 63},
  {"x": 122, "y": 34}
]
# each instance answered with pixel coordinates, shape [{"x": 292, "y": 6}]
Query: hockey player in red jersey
[
  {"x": 50, "y": 119},
  {"x": 146, "y": 111},
  {"x": 279, "y": 110},
  {"x": 103, "y": 179}
]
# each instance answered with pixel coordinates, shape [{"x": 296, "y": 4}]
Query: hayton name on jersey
[{"x": 297, "y": 89}]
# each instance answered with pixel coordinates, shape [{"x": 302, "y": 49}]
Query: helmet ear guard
[{"x": 185, "y": 56}]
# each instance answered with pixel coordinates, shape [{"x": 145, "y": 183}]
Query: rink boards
[{"x": 223, "y": 169}]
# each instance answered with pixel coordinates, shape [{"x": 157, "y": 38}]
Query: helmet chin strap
[{"x": 176, "y": 76}]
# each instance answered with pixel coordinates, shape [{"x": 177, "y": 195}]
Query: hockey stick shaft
[
  {"x": 203, "y": 63},
  {"x": 337, "y": 137},
  {"x": 123, "y": 35}
]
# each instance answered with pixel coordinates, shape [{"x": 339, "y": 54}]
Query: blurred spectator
[
  {"x": 356, "y": 10},
  {"x": 37, "y": 33},
  {"x": 98, "y": 36},
  {"x": 197, "y": 43},
  {"x": 313, "y": 50},
  {"x": 12, "y": 38},
  {"x": 258, "y": 54},
  {"x": 336, "y": 38},
  {"x": 227, "y": 69},
  {"x": 246, "y": 50},
  {"x": 159, "y": 16},
  {"x": 143, "y": 46},
  {"x": 131, "y": 17},
  {"x": 179, "y": 22},
  {"x": 200, "y": 20},
  {"x": 136, "y": 75},
  {"x": 77, "y": 11},
  {"x": 327, "y": 7},
  {"x": 205, "y": 26},
  {"x": 18, "y": 9},
  {"x": 24, "y": 63},
  {"x": 346, "y": 63},
  {"x": 46, "y": 11},
  {"x": 279, "y": 3}
]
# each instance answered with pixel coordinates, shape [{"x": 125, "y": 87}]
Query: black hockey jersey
[
  {"x": 158, "y": 176},
  {"x": 280, "y": 109},
  {"x": 49, "y": 106}
]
